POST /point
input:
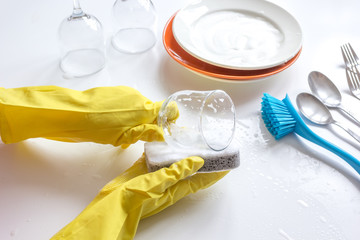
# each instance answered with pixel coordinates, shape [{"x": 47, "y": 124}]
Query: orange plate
[{"x": 194, "y": 64}]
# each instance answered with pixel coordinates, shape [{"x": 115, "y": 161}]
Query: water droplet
[
  {"x": 303, "y": 203},
  {"x": 323, "y": 219},
  {"x": 284, "y": 234}
]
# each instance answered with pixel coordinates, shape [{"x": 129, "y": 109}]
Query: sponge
[{"x": 159, "y": 155}]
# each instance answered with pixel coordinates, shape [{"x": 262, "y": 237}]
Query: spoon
[
  {"x": 322, "y": 87},
  {"x": 314, "y": 110}
]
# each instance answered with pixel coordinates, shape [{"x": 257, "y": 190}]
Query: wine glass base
[
  {"x": 82, "y": 62},
  {"x": 134, "y": 40}
]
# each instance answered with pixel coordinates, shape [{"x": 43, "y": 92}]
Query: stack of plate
[{"x": 233, "y": 39}]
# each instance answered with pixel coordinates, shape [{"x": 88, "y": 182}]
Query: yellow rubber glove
[
  {"x": 108, "y": 115},
  {"x": 136, "y": 194}
]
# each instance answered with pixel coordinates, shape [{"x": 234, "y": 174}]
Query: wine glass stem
[{"x": 77, "y": 9}]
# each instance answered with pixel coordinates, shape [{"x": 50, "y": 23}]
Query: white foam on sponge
[{"x": 160, "y": 154}]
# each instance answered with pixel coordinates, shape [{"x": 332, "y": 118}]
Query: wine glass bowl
[
  {"x": 82, "y": 44},
  {"x": 134, "y": 26},
  {"x": 206, "y": 119}
]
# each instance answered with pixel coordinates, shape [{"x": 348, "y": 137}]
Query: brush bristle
[{"x": 277, "y": 118}]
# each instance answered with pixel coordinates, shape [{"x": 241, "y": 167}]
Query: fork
[
  {"x": 352, "y": 72},
  {"x": 350, "y": 58},
  {"x": 353, "y": 79}
]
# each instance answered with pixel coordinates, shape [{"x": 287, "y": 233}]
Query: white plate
[{"x": 238, "y": 34}]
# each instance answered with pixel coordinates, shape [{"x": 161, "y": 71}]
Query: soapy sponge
[{"x": 159, "y": 155}]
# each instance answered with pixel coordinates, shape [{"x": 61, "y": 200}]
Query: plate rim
[
  {"x": 297, "y": 32},
  {"x": 258, "y": 74}
]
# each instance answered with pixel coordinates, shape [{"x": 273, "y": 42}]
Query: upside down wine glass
[
  {"x": 82, "y": 43},
  {"x": 134, "y": 26},
  {"x": 206, "y": 119}
]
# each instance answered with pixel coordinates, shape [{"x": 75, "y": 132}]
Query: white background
[{"x": 287, "y": 190}]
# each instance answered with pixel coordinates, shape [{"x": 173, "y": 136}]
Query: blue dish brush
[{"x": 281, "y": 119}]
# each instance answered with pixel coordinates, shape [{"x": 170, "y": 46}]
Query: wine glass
[
  {"x": 82, "y": 43},
  {"x": 206, "y": 119},
  {"x": 135, "y": 26}
]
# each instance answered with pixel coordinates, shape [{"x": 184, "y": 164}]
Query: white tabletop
[{"x": 288, "y": 189}]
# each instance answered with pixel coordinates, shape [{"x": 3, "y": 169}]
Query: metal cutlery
[
  {"x": 350, "y": 58},
  {"x": 322, "y": 87},
  {"x": 313, "y": 109},
  {"x": 353, "y": 79},
  {"x": 352, "y": 69}
]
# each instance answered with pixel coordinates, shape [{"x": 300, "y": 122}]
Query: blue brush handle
[{"x": 304, "y": 131}]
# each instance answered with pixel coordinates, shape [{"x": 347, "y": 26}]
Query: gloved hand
[
  {"x": 136, "y": 194},
  {"x": 108, "y": 115}
]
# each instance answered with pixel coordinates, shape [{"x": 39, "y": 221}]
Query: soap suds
[
  {"x": 159, "y": 155},
  {"x": 236, "y": 38}
]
